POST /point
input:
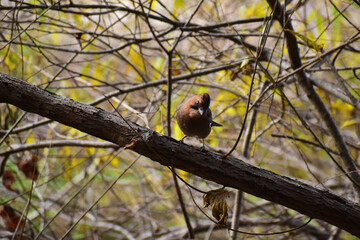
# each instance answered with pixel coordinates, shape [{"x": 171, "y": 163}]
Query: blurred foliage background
[{"x": 118, "y": 55}]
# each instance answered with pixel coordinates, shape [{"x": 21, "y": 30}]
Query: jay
[{"x": 195, "y": 118}]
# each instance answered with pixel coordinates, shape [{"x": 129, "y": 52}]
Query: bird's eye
[{"x": 197, "y": 102}]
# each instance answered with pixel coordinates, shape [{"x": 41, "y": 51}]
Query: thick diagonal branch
[{"x": 230, "y": 171}]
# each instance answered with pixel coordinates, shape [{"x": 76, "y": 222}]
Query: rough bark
[{"x": 230, "y": 171}]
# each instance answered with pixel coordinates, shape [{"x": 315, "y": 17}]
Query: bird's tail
[{"x": 215, "y": 124}]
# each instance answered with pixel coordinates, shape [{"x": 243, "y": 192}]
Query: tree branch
[{"x": 230, "y": 171}]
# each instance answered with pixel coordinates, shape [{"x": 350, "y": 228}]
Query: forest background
[{"x": 284, "y": 82}]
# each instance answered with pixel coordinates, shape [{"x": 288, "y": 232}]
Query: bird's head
[{"x": 201, "y": 103}]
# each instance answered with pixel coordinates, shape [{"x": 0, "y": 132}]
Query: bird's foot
[
  {"x": 182, "y": 140},
  {"x": 203, "y": 146}
]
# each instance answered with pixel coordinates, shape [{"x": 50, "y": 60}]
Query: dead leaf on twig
[
  {"x": 8, "y": 179},
  {"x": 216, "y": 199},
  {"x": 11, "y": 218},
  {"x": 29, "y": 167}
]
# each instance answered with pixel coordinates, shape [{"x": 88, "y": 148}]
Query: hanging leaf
[
  {"x": 8, "y": 179},
  {"x": 29, "y": 167},
  {"x": 11, "y": 218},
  {"x": 216, "y": 199}
]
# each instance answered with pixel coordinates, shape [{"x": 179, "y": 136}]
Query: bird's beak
[{"x": 201, "y": 111}]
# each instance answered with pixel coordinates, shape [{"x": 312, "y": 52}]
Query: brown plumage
[{"x": 195, "y": 118}]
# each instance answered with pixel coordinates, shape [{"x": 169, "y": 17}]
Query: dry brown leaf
[
  {"x": 11, "y": 218},
  {"x": 8, "y": 179},
  {"x": 29, "y": 167},
  {"x": 216, "y": 199}
]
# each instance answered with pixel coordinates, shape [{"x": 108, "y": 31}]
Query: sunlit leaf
[
  {"x": 115, "y": 162},
  {"x": 177, "y": 132},
  {"x": 184, "y": 175},
  {"x": 158, "y": 67},
  {"x": 310, "y": 43},
  {"x": 179, "y": 4},
  {"x": 349, "y": 123}
]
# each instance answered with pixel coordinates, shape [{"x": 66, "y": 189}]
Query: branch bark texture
[{"x": 230, "y": 171}]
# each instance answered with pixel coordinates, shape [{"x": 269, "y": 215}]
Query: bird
[{"x": 194, "y": 117}]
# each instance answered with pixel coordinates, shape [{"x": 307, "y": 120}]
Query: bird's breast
[{"x": 193, "y": 124}]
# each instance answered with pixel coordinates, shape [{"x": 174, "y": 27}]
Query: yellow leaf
[
  {"x": 74, "y": 161},
  {"x": 177, "y": 132},
  {"x": 159, "y": 128},
  {"x": 245, "y": 63},
  {"x": 310, "y": 43},
  {"x": 339, "y": 105},
  {"x": 98, "y": 73},
  {"x": 30, "y": 138},
  {"x": 115, "y": 162},
  {"x": 349, "y": 123},
  {"x": 158, "y": 67},
  {"x": 90, "y": 151},
  {"x": 214, "y": 141},
  {"x": 216, "y": 199},
  {"x": 183, "y": 175},
  {"x": 179, "y": 4}
]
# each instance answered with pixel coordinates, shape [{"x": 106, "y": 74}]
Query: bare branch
[{"x": 306, "y": 84}]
